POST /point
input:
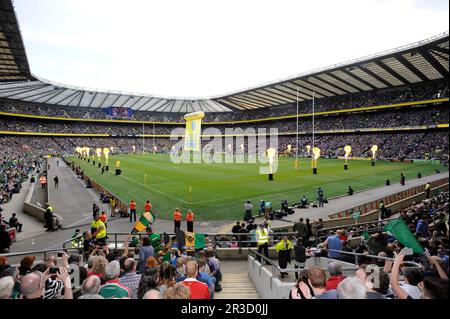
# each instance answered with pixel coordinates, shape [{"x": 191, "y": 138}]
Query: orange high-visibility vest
[
  {"x": 177, "y": 216},
  {"x": 132, "y": 205},
  {"x": 148, "y": 207},
  {"x": 190, "y": 217},
  {"x": 43, "y": 180}
]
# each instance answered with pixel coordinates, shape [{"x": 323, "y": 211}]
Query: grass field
[{"x": 220, "y": 190}]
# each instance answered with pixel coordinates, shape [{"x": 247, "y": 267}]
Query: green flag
[
  {"x": 199, "y": 241},
  {"x": 401, "y": 232},
  {"x": 366, "y": 235}
]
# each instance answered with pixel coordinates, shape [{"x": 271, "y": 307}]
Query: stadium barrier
[
  {"x": 373, "y": 216},
  {"x": 35, "y": 201},
  {"x": 264, "y": 273},
  {"x": 366, "y": 208}
]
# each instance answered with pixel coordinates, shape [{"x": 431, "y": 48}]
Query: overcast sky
[{"x": 199, "y": 48}]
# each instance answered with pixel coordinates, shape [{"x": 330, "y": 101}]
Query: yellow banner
[{"x": 193, "y": 131}]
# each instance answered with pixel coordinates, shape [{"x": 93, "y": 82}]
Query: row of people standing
[{"x": 178, "y": 217}]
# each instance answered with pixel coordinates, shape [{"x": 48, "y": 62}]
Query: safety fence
[{"x": 391, "y": 199}]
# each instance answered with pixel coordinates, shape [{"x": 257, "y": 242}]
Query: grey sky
[{"x": 205, "y": 47}]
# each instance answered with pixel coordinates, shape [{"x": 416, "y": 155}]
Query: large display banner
[{"x": 192, "y": 138}]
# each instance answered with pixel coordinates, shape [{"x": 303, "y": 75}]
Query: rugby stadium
[{"x": 327, "y": 174}]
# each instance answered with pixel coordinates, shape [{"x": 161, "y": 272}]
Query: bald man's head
[
  {"x": 91, "y": 286},
  {"x": 129, "y": 265},
  {"x": 191, "y": 269},
  {"x": 32, "y": 284}
]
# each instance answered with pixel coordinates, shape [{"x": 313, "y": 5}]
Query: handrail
[
  {"x": 43, "y": 251},
  {"x": 369, "y": 256},
  {"x": 354, "y": 225}
]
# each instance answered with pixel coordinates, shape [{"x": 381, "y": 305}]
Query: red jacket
[
  {"x": 198, "y": 289},
  {"x": 333, "y": 282}
]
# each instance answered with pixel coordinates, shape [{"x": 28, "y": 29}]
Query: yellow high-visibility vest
[{"x": 262, "y": 236}]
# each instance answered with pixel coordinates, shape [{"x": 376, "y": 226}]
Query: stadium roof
[
  {"x": 423, "y": 61},
  {"x": 13, "y": 59}
]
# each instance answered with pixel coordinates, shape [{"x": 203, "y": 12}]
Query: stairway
[{"x": 236, "y": 286}]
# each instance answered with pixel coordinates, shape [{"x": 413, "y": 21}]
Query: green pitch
[{"x": 220, "y": 190}]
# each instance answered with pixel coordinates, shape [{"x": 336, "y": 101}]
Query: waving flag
[
  {"x": 401, "y": 232},
  {"x": 146, "y": 220},
  {"x": 190, "y": 241}
]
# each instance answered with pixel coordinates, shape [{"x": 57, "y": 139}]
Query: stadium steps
[{"x": 236, "y": 286}]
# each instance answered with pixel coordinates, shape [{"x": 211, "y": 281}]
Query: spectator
[
  {"x": 6, "y": 287},
  {"x": 25, "y": 265},
  {"x": 178, "y": 291},
  {"x": 98, "y": 266},
  {"x": 14, "y": 222},
  {"x": 317, "y": 281},
  {"x": 149, "y": 281},
  {"x": 75, "y": 260},
  {"x": 198, "y": 289},
  {"x": 13, "y": 273},
  {"x": 5, "y": 240},
  {"x": 146, "y": 251},
  {"x": 351, "y": 288},
  {"x": 300, "y": 255},
  {"x": 167, "y": 277},
  {"x": 296, "y": 292},
  {"x": 236, "y": 228},
  {"x": 334, "y": 245},
  {"x": 32, "y": 285},
  {"x": 113, "y": 288},
  {"x": 131, "y": 279},
  {"x": 90, "y": 288},
  {"x": 431, "y": 287},
  {"x": 155, "y": 240},
  {"x": 301, "y": 230},
  {"x": 336, "y": 276}
]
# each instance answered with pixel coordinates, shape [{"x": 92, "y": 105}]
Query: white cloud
[{"x": 206, "y": 47}]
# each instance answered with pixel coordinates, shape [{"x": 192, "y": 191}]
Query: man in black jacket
[
  {"x": 5, "y": 240},
  {"x": 300, "y": 255},
  {"x": 14, "y": 222}
]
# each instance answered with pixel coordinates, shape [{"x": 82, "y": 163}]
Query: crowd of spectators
[
  {"x": 153, "y": 267},
  {"x": 432, "y": 145},
  {"x": 421, "y": 116},
  {"x": 16, "y": 163},
  {"x": 398, "y": 95},
  {"x": 425, "y": 276}
]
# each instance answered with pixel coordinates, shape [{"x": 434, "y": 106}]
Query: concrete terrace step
[{"x": 236, "y": 286}]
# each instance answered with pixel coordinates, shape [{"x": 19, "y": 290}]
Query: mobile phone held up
[{"x": 53, "y": 270}]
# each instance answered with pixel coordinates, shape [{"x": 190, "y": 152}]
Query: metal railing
[
  {"x": 370, "y": 256},
  {"x": 379, "y": 224},
  {"x": 275, "y": 269},
  {"x": 44, "y": 252},
  {"x": 216, "y": 239}
]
